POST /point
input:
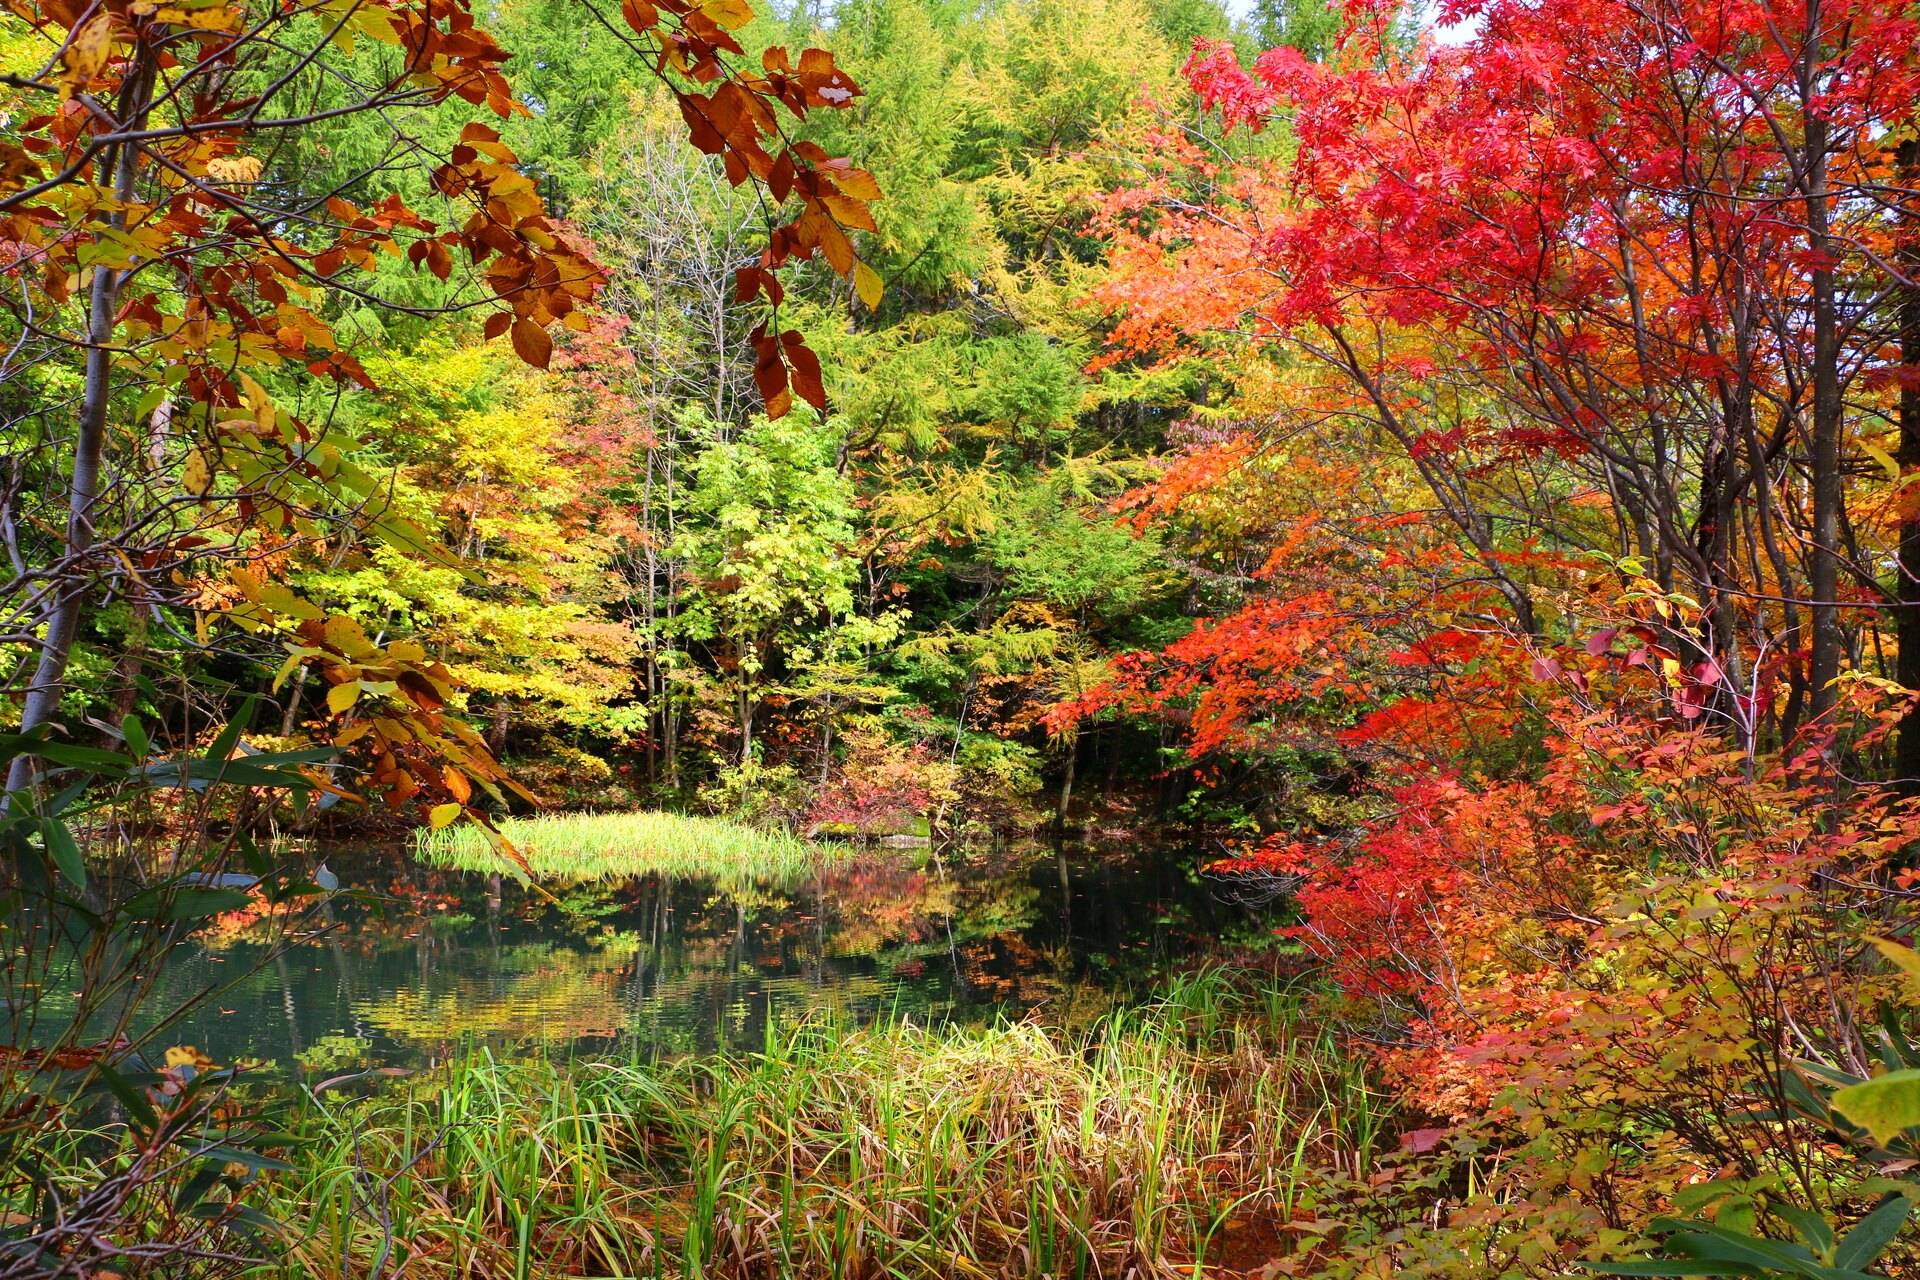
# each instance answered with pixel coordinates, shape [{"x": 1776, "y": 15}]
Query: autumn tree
[
  {"x": 178, "y": 285},
  {"x": 1613, "y": 278}
]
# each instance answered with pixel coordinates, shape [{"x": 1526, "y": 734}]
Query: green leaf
[
  {"x": 130, "y": 1097},
  {"x": 184, "y": 902},
  {"x": 1808, "y": 1225},
  {"x": 1707, "y": 1242},
  {"x": 1884, "y": 1105},
  {"x": 250, "y": 1218},
  {"x": 67, "y": 796},
  {"x": 252, "y": 1159},
  {"x": 244, "y": 773},
  {"x": 252, "y": 855},
  {"x": 135, "y": 734},
  {"x": 229, "y": 736},
  {"x": 67, "y": 754},
  {"x": 1666, "y": 1267},
  {"x": 1872, "y": 1234},
  {"x": 195, "y": 1189},
  {"x": 63, "y": 851}
]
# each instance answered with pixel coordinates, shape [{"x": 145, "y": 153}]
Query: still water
[{"x": 418, "y": 962}]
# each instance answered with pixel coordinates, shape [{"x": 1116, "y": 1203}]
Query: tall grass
[
  {"x": 846, "y": 1153},
  {"x": 588, "y": 846}
]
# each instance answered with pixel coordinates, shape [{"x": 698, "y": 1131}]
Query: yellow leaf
[
  {"x": 196, "y": 476},
  {"x": 1882, "y": 457},
  {"x": 185, "y": 1055},
  {"x": 343, "y": 696},
  {"x": 87, "y": 51},
  {"x": 406, "y": 651},
  {"x": 867, "y": 283},
  {"x": 281, "y": 599},
  {"x": 728, "y": 14},
  {"x": 376, "y": 22},
  {"x": 1906, "y": 959},
  {"x": 258, "y": 400},
  {"x": 346, "y": 635},
  {"x": 441, "y": 814},
  {"x": 200, "y": 17},
  {"x": 287, "y": 668}
]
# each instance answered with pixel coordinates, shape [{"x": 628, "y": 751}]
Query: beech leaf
[
  {"x": 1882, "y": 1106},
  {"x": 533, "y": 343},
  {"x": 867, "y": 283}
]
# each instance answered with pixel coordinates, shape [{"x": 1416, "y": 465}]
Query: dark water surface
[{"x": 433, "y": 960}]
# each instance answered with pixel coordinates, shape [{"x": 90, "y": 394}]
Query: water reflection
[{"x": 441, "y": 959}]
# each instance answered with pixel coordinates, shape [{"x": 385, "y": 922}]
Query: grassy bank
[
  {"x": 1141, "y": 1146},
  {"x": 587, "y": 846}
]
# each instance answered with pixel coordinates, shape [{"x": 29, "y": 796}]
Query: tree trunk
[
  {"x": 1823, "y": 578},
  {"x": 1907, "y": 584},
  {"x": 66, "y": 594},
  {"x": 1066, "y": 784},
  {"x": 291, "y": 718},
  {"x": 746, "y": 724}
]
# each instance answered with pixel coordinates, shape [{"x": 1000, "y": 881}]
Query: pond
[{"x": 420, "y": 962}]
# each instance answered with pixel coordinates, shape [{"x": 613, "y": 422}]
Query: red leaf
[{"x": 806, "y": 375}]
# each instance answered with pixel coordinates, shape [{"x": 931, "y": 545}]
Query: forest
[{"x": 890, "y": 638}]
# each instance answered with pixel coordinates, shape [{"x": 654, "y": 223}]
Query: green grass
[
  {"x": 591, "y": 846},
  {"x": 894, "y": 1150}
]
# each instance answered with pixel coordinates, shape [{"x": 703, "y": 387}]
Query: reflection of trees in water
[
  {"x": 697, "y": 965},
  {"x": 685, "y": 966}
]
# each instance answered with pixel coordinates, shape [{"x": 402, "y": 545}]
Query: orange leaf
[{"x": 532, "y": 343}]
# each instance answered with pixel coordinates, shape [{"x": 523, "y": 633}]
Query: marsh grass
[
  {"x": 842, "y": 1152},
  {"x": 591, "y": 846}
]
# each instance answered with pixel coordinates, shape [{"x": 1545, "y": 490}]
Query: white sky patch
[{"x": 1448, "y": 36}]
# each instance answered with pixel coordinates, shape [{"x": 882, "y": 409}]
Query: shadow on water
[{"x": 433, "y": 960}]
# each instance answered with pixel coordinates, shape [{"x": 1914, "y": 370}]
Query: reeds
[
  {"x": 589, "y": 846},
  {"x": 897, "y": 1150}
]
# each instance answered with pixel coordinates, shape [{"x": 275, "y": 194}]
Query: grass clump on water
[
  {"x": 891, "y": 1150},
  {"x": 590, "y": 846}
]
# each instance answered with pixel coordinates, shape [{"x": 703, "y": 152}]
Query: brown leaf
[
  {"x": 780, "y": 181},
  {"x": 533, "y": 343}
]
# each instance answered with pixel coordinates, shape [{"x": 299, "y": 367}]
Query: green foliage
[
  {"x": 118, "y": 1152},
  {"x": 574, "y": 847}
]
